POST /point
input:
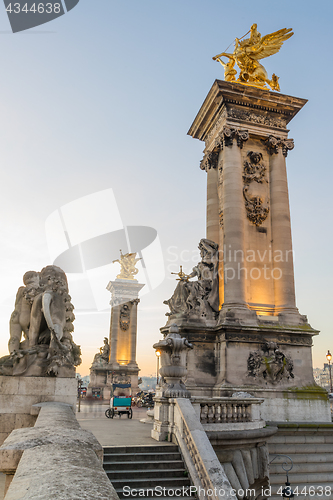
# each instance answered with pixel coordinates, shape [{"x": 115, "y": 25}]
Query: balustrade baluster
[{"x": 224, "y": 412}]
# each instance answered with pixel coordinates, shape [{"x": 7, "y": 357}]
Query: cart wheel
[
  {"x": 108, "y": 413},
  {"x": 111, "y": 413},
  {"x": 130, "y": 413}
]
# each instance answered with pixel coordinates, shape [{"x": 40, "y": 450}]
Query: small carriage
[{"x": 121, "y": 401}]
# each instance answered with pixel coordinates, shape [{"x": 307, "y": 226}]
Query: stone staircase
[
  {"x": 310, "y": 446},
  {"x": 143, "y": 468}
]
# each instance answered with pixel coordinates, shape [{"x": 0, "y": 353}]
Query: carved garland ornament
[
  {"x": 254, "y": 171},
  {"x": 225, "y": 138}
]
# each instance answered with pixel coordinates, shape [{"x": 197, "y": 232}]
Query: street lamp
[
  {"x": 329, "y": 359},
  {"x": 158, "y": 354},
  {"x": 287, "y": 492}
]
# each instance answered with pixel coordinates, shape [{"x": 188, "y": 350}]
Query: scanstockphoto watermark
[
  {"x": 237, "y": 264},
  {"x": 26, "y": 14},
  {"x": 190, "y": 491}
]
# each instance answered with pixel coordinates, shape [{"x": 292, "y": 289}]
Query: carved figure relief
[
  {"x": 254, "y": 171},
  {"x": 125, "y": 316},
  {"x": 270, "y": 364},
  {"x": 199, "y": 298}
]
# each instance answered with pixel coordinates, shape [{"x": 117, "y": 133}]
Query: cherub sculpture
[
  {"x": 127, "y": 263},
  {"x": 247, "y": 54},
  {"x": 44, "y": 315}
]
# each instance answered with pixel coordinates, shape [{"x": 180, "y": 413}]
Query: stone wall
[{"x": 18, "y": 394}]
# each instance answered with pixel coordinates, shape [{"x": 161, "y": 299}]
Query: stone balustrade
[
  {"x": 207, "y": 473},
  {"x": 229, "y": 413}
]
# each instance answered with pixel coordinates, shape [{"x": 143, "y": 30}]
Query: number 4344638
[{"x": 36, "y": 8}]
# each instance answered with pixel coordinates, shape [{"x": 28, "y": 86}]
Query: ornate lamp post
[
  {"x": 158, "y": 354},
  {"x": 329, "y": 359}
]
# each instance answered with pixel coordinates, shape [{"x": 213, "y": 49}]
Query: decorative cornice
[{"x": 273, "y": 143}]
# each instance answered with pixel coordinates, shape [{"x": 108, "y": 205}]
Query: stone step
[
  {"x": 150, "y": 474},
  {"x": 290, "y": 449},
  {"x": 135, "y": 465},
  {"x": 309, "y": 479},
  {"x": 139, "y": 457},
  {"x": 301, "y": 438},
  {"x": 138, "y": 449},
  {"x": 144, "y": 483},
  {"x": 306, "y": 458},
  {"x": 302, "y": 468}
]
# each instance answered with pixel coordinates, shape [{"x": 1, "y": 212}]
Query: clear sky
[{"x": 103, "y": 97}]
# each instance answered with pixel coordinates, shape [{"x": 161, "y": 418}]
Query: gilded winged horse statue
[{"x": 247, "y": 54}]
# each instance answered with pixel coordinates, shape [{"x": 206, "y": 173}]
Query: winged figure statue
[
  {"x": 247, "y": 54},
  {"x": 127, "y": 263}
]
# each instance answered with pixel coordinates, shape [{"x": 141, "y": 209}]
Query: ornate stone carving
[
  {"x": 44, "y": 315},
  {"x": 270, "y": 363},
  {"x": 125, "y": 316},
  {"x": 198, "y": 298},
  {"x": 254, "y": 171},
  {"x": 102, "y": 358},
  {"x": 273, "y": 143},
  {"x": 173, "y": 363},
  {"x": 225, "y": 138},
  {"x": 210, "y": 160},
  {"x": 251, "y": 338},
  {"x": 249, "y": 116},
  {"x": 230, "y": 133}
]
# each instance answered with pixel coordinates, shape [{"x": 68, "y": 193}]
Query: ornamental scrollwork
[
  {"x": 248, "y": 116},
  {"x": 225, "y": 138},
  {"x": 254, "y": 171},
  {"x": 273, "y": 143},
  {"x": 270, "y": 363}
]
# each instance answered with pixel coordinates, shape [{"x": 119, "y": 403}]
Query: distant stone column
[
  {"x": 233, "y": 216},
  {"x": 284, "y": 286},
  {"x": 134, "y": 322},
  {"x": 114, "y": 332}
]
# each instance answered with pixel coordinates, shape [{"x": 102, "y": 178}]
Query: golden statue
[
  {"x": 127, "y": 263},
  {"x": 246, "y": 55}
]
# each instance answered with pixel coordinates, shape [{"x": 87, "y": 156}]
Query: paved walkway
[{"x": 117, "y": 431}]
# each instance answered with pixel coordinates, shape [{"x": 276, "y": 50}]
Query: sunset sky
[{"x": 102, "y": 98}]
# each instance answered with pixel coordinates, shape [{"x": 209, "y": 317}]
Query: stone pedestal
[
  {"x": 18, "y": 394},
  {"x": 259, "y": 343},
  {"x": 122, "y": 366}
]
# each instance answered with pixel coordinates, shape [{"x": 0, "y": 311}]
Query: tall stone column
[
  {"x": 123, "y": 330},
  {"x": 212, "y": 205},
  {"x": 133, "y": 334},
  {"x": 114, "y": 333},
  {"x": 284, "y": 286},
  {"x": 234, "y": 216}
]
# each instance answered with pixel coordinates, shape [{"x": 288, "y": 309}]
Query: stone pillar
[
  {"x": 114, "y": 333},
  {"x": 212, "y": 205},
  {"x": 284, "y": 286},
  {"x": 134, "y": 321},
  {"x": 234, "y": 233}
]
